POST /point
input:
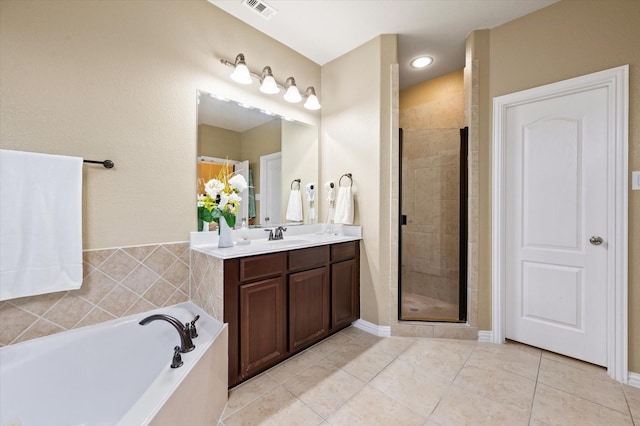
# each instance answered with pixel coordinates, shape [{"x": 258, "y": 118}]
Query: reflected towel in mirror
[{"x": 294, "y": 207}]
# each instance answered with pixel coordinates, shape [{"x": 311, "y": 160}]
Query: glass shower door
[{"x": 433, "y": 225}]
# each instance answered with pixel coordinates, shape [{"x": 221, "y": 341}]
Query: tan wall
[
  {"x": 118, "y": 79},
  {"x": 299, "y": 161},
  {"x": 355, "y": 135},
  {"x": 216, "y": 142},
  {"x": 440, "y": 89},
  {"x": 261, "y": 140},
  {"x": 434, "y": 104},
  {"x": 565, "y": 40}
]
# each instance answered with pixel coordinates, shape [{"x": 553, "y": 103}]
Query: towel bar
[
  {"x": 295, "y": 181},
  {"x": 108, "y": 164}
]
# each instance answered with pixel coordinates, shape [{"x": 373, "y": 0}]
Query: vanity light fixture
[
  {"x": 293, "y": 94},
  {"x": 269, "y": 85},
  {"x": 241, "y": 72},
  {"x": 312, "y": 102},
  {"x": 421, "y": 62}
]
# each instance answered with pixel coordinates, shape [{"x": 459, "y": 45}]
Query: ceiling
[{"x": 323, "y": 30}]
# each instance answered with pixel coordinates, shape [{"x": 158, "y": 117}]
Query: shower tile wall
[
  {"x": 117, "y": 282},
  {"x": 431, "y": 188}
]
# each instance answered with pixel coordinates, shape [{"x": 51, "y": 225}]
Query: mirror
[{"x": 276, "y": 151}]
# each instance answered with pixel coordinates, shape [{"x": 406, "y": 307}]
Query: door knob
[{"x": 596, "y": 241}]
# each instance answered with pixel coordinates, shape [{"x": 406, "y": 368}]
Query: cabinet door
[
  {"x": 262, "y": 324},
  {"x": 308, "y": 307},
  {"x": 345, "y": 298}
]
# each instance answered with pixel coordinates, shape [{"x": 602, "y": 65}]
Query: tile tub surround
[
  {"x": 354, "y": 378},
  {"x": 117, "y": 282}
]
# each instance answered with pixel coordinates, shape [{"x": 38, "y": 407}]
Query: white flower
[
  {"x": 238, "y": 183},
  {"x": 201, "y": 199},
  {"x": 234, "y": 198},
  {"x": 213, "y": 188},
  {"x": 224, "y": 199}
]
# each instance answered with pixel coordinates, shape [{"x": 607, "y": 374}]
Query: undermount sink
[{"x": 287, "y": 242}]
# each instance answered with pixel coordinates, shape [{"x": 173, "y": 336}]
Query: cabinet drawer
[
  {"x": 308, "y": 258},
  {"x": 262, "y": 266},
  {"x": 344, "y": 251}
]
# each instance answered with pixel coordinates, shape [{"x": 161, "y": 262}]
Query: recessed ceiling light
[{"x": 421, "y": 62}]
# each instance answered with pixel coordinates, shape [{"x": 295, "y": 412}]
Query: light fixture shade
[
  {"x": 241, "y": 73},
  {"x": 268, "y": 83},
  {"x": 292, "y": 95},
  {"x": 312, "y": 102},
  {"x": 421, "y": 62}
]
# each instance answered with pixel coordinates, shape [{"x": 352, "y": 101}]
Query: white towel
[
  {"x": 344, "y": 206},
  {"x": 40, "y": 223},
  {"x": 294, "y": 207}
]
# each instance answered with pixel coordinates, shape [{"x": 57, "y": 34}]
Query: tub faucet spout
[{"x": 186, "y": 344}]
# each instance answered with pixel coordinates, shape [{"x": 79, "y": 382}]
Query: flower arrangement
[{"x": 221, "y": 199}]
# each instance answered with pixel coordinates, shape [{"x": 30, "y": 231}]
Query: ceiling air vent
[{"x": 261, "y": 8}]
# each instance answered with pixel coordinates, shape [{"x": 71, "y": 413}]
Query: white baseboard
[
  {"x": 634, "y": 379},
  {"x": 485, "y": 336},
  {"x": 371, "y": 328}
]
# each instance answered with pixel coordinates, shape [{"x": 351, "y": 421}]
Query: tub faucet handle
[
  {"x": 177, "y": 358},
  {"x": 193, "y": 333}
]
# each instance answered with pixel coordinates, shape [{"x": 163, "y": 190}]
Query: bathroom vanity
[{"x": 282, "y": 297}]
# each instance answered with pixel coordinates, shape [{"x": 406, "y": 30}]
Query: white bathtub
[{"x": 117, "y": 373}]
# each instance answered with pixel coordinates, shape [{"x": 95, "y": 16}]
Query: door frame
[{"x": 616, "y": 81}]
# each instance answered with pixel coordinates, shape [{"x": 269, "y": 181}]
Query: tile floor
[
  {"x": 418, "y": 307},
  {"x": 354, "y": 378}
]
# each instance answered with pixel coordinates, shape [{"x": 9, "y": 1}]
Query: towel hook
[
  {"x": 295, "y": 181},
  {"x": 347, "y": 175}
]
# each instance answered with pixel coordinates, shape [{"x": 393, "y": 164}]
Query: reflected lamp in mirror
[{"x": 269, "y": 85}]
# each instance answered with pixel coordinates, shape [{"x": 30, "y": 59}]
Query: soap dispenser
[{"x": 243, "y": 233}]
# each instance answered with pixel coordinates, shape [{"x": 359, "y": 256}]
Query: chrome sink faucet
[
  {"x": 278, "y": 235},
  {"x": 186, "y": 344}
]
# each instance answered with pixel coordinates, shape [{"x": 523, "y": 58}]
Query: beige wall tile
[{"x": 114, "y": 281}]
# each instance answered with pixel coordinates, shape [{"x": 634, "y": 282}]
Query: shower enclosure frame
[{"x": 463, "y": 237}]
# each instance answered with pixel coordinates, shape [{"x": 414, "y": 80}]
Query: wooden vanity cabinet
[
  {"x": 280, "y": 303},
  {"x": 308, "y": 296},
  {"x": 345, "y": 284},
  {"x": 255, "y": 310}
]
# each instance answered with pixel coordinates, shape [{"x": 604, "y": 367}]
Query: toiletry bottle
[{"x": 244, "y": 232}]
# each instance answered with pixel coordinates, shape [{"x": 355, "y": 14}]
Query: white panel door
[
  {"x": 556, "y": 202},
  {"x": 270, "y": 189}
]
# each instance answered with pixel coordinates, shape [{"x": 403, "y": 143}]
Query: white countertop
[{"x": 296, "y": 237}]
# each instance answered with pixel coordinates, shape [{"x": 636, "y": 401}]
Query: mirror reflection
[{"x": 269, "y": 151}]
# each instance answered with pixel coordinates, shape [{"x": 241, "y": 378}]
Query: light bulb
[
  {"x": 241, "y": 73},
  {"x": 312, "y": 102},
  {"x": 292, "y": 95},
  {"x": 269, "y": 84}
]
